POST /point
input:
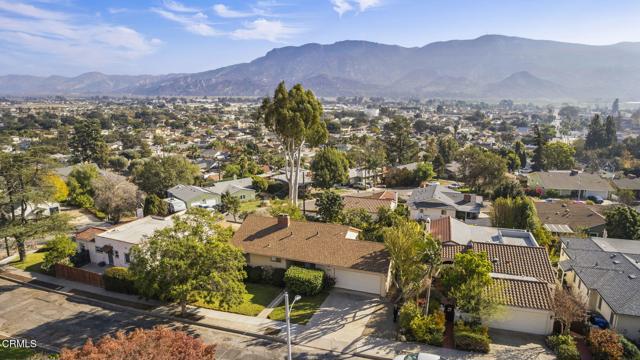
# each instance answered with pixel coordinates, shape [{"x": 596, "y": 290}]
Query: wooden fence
[{"x": 79, "y": 275}]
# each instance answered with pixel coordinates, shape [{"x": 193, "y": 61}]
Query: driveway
[{"x": 342, "y": 318}]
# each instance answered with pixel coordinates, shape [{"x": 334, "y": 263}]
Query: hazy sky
[{"x": 69, "y": 37}]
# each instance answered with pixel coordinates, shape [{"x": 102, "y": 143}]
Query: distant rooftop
[{"x": 136, "y": 231}]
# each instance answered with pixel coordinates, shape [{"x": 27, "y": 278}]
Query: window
[
  {"x": 611, "y": 319},
  {"x": 242, "y": 197},
  {"x": 276, "y": 259},
  {"x": 443, "y": 212},
  {"x": 99, "y": 249},
  {"x": 127, "y": 259},
  {"x": 421, "y": 211},
  {"x": 117, "y": 254},
  {"x": 600, "y": 303}
]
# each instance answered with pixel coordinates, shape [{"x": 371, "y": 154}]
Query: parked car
[
  {"x": 454, "y": 186},
  {"x": 417, "y": 356},
  {"x": 596, "y": 199},
  {"x": 595, "y": 319}
]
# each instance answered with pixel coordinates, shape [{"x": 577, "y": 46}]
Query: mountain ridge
[{"x": 488, "y": 67}]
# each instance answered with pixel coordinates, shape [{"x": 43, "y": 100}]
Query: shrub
[
  {"x": 471, "y": 342},
  {"x": 555, "y": 341},
  {"x": 605, "y": 345},
  {"x": 471, "y": 327},
  {"x": 303, "y": 281},
  {"x": 428, "y": 329},
  {"x": 328, "y": 282},
  {"x": 568, "y": 352},
  {"x": 119, "y": 279},
  {"x": 255, "y": 274},
  {"x": 407, "y": 313},
  {"x": 629, "y": 349},
  {"x": 277, "y": 277},
  {"x": 60, "y": 249}
]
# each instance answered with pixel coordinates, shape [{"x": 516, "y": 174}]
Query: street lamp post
[{"x": 287, "y": 313}]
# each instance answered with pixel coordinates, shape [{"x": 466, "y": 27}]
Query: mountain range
[{"x": 489, "y": 67}]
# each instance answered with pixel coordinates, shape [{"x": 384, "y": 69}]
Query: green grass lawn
[
  {"x": 250, "y": 206},
  {"x": 11, "y": 353},
  {"x": 31, "y": 263},
  {"x": 303, "y": 309},
  {"x": 257, "y": 298}
]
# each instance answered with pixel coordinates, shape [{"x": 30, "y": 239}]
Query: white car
[{"x": 417, "y": 356}]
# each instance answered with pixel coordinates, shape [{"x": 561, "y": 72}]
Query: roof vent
[
  {"x": 616, "y": 262},
  {"x": 612, "y": 256},
  {"x": 632, "y": 276},
  {"x": 494, "y": 260}
]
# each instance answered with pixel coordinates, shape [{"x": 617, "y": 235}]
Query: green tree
[
  {"x": 414, "y": 255},
  {"x": 447, "y": 148},
  {"x": 294, "y": 116},
  {"x": 153, "y": 205},
  {"x": 259, "y": 183},
  {"x": 230, "y": 204},
  {"x": 358, "y": 218},
  {"x": 192, "y": 257},
  {"x": 538, "y": 163},
  {"x": 115, "y": 195},
  {"x": 329, "y": 167},
  {"x": 521, "y": 151},
  {"x": 623, "y": 222},
  {"x": 398, "y": 137},
  {"x": 596, "y": 136},
  {"x": 480, "y": 169},
  {"x": 158, "y": 174},
  {"x": 80, "y": 186},
  {"x": 610, "y": 134},
  {"x": 87, "y": 143},
  {"x": 509, "y": 188},
  {"x": 520, "y": 213},
  {"x": 59, "y": 250},
  {"x": 280, "y": 207},
  {"x": 558, "y": 156},
  {"x": 329, "y": 205},
  {"x": 424, "y": 172}
]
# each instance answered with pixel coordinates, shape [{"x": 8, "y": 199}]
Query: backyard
[
  {"x": 257, "y": 298},
  {"x": 32, "y": 262},
  {"x": 302, "y": 310}
]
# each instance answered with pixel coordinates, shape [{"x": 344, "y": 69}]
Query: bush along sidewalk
[
  {"x": 471, "y": 336},
  {"x": 416, "y": 326},
  {"x": 564, "y": 347},
  {"x": 119, "y": 279}
]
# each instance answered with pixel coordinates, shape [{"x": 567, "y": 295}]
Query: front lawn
[
  {"x": 303, "y": 309},
  {"x": 257, "y": 298},
  {"x": 250, "y": 206},
  {"x": 32, "y": 262}
]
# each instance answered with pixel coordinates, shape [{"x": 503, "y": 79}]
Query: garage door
[
  {"x": 522, "y": 320},
  {"x": 358, "y": 281}
]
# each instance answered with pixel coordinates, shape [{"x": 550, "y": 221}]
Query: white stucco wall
[{"x": 531, "y": 321}]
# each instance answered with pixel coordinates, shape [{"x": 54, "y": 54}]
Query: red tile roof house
[{"x": 281, "y": 242}]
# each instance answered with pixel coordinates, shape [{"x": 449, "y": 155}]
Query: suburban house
[
  {"x": 208, "y": 197},
  {"x": 605, "y": 273},
  {"x": 280, "y": 242},
  {"x": 573, "y": 184},
  {"x": 569, "y": 217},
  {"x": 112, "y": 246},
  {"x": 450, "y": 231},
  {"x": 371, "y": 202},
  {"x": 628, "y": 184},
  {"x": 364, "y": 176},
  {"x": 524, "y": 281},
  {"x": 435, "y": 201}
]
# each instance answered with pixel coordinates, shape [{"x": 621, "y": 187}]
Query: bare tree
[
  {"x": 567, "y": 309},
  {"x": 114, "y": 195}
]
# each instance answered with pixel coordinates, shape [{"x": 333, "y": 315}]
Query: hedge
[
  {"x": 429, "y": 329},
  {"x": 265, "y": 275},
  {"x": 120, "y": 280},
  {"x": 471, "y": 342},
  {"x": 303, "y": 281},
  {"x": 630, "y": 349},
  {"x": 568, "y": 352}
]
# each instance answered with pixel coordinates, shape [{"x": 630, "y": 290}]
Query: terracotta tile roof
[
  {"x": 530, "y": 261},
  {"x": 383, "y": 195},
  {"x": 89, "y": 233},
  {"x": 312, "y": 242},
  {"x": 526, "y": 261},
  {"x": 441, "y": 229},
  {"x": 369, "y": 204},
  {"x": 523, "y": 293}
]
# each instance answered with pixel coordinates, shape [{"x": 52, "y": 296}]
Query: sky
[{"x": 70, "y": 37}]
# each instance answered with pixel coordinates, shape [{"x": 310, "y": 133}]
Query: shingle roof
[
  {"x": 438, "y": 196},
  {"x": 615, "y": 275},
  {"x": 523, "y": 293},
  {"x": 627, "y": 184},
  {"x": 312, "y": 242},
  {"x": 576, "y": 215},
  {"x": 564, "y": 180},
  {"x": 371, "y": 205}
]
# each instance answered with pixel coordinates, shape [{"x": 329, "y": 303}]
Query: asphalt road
[{"x": 61, "y": 321}]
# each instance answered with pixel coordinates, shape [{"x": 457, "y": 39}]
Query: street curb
[{"x": 190, "y": 322}]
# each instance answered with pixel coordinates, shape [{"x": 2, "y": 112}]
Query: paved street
[{"x": 59, "y": 321}]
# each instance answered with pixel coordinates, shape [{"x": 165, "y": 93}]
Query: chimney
[{"x": 283, "y": 221}]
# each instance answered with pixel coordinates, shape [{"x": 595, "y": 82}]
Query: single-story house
[
  {"x": 364, "y": 176},
  {"x": 371, "y": 202},
  {"x": 280, "y": 242},
  {"x": 574, "y": 184},
  {"x": 628, "y": 184},
  {"x": 524, "y": 280},
  {"x": 605, "y": 273},
  {"x": 450, "y": 231},
  {"x": 435, "y": 201},
  {"x": 208, "y": 197},
  {"x": 240, "y": 188},
  {"x": 568, "y": 217}
]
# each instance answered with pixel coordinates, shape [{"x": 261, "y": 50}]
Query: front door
[{"x": 110, "y": 254}]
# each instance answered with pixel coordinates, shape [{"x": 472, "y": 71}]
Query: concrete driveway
[{"x": 342, "y": 318}]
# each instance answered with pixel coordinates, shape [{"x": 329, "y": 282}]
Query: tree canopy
[
  {"x": 158, "y": 174},
  {"x": 329, "y": 167},
  {"x": 623, "y": 222},
  {"x": 329, "y": 205}
]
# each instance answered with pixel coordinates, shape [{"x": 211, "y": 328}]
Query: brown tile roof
[
  {"x": 89, "y": 234},
  {"x": 576, "y": 215},
  {"x": 441, "y": 229},
  {"x": 312, "y": 242},
  {"x": 527, "y": 261},
  {"x": 531, "y": 261},
  {"x": 523, "y": 293},
  {"x": 369, "y": 204}
]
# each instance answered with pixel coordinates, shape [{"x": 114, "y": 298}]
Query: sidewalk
[{"x": 368, "y": 346}]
